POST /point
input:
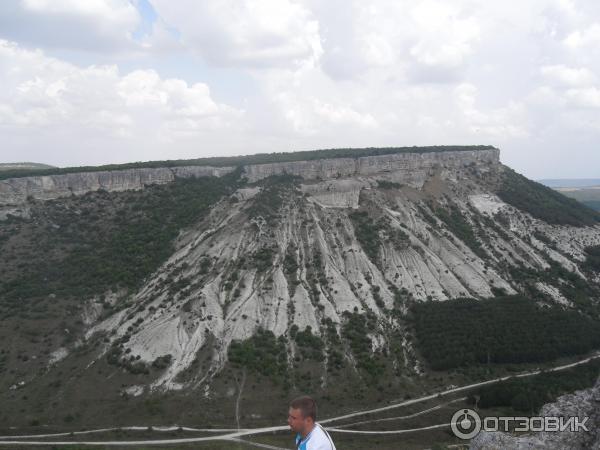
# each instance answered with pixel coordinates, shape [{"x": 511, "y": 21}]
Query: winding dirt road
[{"x": 235, "y": 435}]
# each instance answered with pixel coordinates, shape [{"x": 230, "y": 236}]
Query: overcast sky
[{"x": 108, "y": 81}]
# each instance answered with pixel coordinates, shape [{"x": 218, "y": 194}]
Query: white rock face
[
  {"x": 487, "y": 203},
  {"x": 15, "y": 191},
  {"x": 410, "y": 168},
  {"x": 235, "y": 296},
  {"x": 342, "y": 193},
  {"x": 553, "y": 293}
]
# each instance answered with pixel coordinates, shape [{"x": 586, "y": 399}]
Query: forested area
[
  {"x": 528, "y": 395},
  {"x": 263, "y": 354},
  {"x": 463, "y": 332},
  {"x": 355, "y": 330},
  {"x": 592, "y": 258},
  {"x": 82, "y": 246},
  {"x": 543, "y": 202}
]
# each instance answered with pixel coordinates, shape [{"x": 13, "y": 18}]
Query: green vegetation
[
  {"x": 543, "y": 202},
  {"x": 592, "y": 204},
  {"x": 461, "y": 228},
  {"x": 570, "y": 284},
  {"x": 310, "y": 345},
  {"x": 162, "y": 362},
  {"x": 384, "y": 184},
  {"x": 270, "y": 199},
  {"x": 290, "y": 268},
  {"x": 101, "y": 240},
  {"x": 592, "y": 260},
  {"x": 355, "y": 330},
  {"x": 367, "y": 233},
  {"x": 261, "y": 158},
  {"x": 371, "y": 234},
  {"x": 530, "y": 394},
  {"x": 263, "y": 353},
  {"x": 463, "y": 332},
  {"x": 262, "y": 259}
]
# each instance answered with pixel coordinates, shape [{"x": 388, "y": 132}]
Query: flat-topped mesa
[{"x": 406, "y": 167}]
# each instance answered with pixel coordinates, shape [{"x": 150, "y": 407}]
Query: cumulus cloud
[
  {"x": 247, "y": 33},
  {"x": 94, "y": 25},
  {"x": 53, "y": 98}
]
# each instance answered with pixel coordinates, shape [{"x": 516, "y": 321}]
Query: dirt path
[{"x": 235, "y": 436}]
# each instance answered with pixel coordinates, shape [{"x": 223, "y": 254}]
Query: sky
[{"x": 113, "y": 81}]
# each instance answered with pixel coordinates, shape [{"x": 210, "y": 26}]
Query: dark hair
[{"x": 306, "y": 405}]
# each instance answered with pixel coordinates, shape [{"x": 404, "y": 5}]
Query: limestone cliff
[
  {"x": 407, "y": 168},
  {"x": 16, "y": 191}
]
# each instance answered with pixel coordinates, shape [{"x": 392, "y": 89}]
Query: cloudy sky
[{"x": 106, "y": 81}]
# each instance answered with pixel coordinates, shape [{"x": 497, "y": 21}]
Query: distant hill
[
  {"x": 584, "y": 190},
  {"x": 25, "y": 166},
  {"x": 571, "y": 182}
]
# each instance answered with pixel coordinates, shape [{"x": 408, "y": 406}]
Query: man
[{"x": 302, "y": 418}]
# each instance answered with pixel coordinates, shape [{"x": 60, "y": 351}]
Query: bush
[{"x": 263, "y": 353}]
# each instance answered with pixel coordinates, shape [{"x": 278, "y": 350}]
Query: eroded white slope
[{"x": 214, "y": 290}]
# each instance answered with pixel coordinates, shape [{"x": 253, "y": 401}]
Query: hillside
[
  {"x": 185, "y": 291},
  {"x": 25, "y": 167}
]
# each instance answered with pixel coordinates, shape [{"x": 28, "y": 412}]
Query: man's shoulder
[{"x": 320, "y": 439}]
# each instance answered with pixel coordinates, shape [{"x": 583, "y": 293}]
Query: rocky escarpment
[
  {"x": 407, "y": 168},
  {"x": 16, "y": 191},
  {"x": 581, "y": 404}
]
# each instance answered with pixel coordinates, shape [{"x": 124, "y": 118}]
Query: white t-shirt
[{"x": 317, "y": 439}]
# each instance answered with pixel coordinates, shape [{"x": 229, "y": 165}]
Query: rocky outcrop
[
  {"x": 16, "y": 191},
  {"x": 407, "y": 168},
  {"x": 585, "y": 403}
]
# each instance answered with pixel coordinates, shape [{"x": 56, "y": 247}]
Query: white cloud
[
  {"x": 52, "y": 98},
  {"x": 248, "y": 33},
  {"x": 422, "y": 41},
  {"x": 568, "y": 76},
  {"x": 584, "y": 98},
  {"x": 446, "y": 37},
  {"x": 92, "y": 25},
  {"x": 502, "y": 123},
  {"x": 590, "y": 36}
]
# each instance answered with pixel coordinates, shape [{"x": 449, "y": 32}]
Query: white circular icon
[{"x": 465, "y": 424}]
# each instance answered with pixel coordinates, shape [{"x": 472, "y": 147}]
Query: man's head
[{"x": 302, "y": 415}]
